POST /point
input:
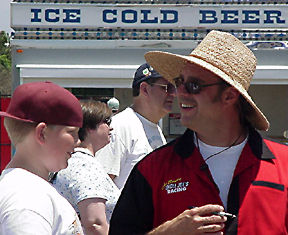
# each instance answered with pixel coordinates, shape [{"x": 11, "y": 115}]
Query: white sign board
[
  {"x": 175, "y": 127},
  {"x": 148, "y": 16}
]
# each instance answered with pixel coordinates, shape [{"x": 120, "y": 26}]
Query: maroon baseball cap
[{"x": 44, "y": 102}]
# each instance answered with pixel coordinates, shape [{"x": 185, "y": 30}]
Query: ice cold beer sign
[{"x": 156, "y": 16}]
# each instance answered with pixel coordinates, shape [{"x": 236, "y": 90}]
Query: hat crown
[
  {"x": 228, "y": 54},
  {"x": 143, "y": 73}
]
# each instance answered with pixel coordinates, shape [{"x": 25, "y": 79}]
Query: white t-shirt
[
  {"x": 133, "y": 137},
  {"x": 86, "y": 178},
  {"x": 222, "y": 165},
  {"x": 29, "y": 205}
]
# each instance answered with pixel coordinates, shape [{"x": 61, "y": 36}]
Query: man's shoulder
[
  {"x": 25, "y": 185},
  {"x": 126, "y": 118},
  {"x": 123, "y": 114},
  {"x": 276, "y": 146}
]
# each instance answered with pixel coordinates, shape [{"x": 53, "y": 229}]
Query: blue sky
[{"x": 5, "y": 15}]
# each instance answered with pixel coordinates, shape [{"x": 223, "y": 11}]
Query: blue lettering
[
  {"x": 72, "y": 15},
  {"x": 208, "y": 17},
  {"x": 129, "y": 12},
  {"x": 165, "y": 16},
  {"x": 105, "y": 18},
  {"x": 229, "y": 17},
  {"x": 36, "y": 15},
  {"x": 145, "y": 17},
  {"x": 250, "y": 17},
  {"x": 273, "y": 14},
  {"x": 48, "y": 17}
]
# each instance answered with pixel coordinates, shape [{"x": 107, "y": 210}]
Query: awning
[
  {"x": 120, "y": 76},
  {"x": 100, "y": 76}
]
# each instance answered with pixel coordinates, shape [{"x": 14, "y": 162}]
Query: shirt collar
[{"x": 185, "y": 146}]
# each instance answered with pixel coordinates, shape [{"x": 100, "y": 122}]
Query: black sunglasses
[
  {"x": 107, "y": 121},
  {"x": 170, "y": 88},
  {"x": 193, "y": 87}
]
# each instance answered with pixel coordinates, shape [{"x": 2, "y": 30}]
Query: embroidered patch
[
  {"x": 146, "y": 72},
  {"x": 175, "y": 186}
]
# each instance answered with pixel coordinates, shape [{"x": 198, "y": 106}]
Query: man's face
[
  {"x": 162, "y": 96},
  {"x": 202, "y": 109}
]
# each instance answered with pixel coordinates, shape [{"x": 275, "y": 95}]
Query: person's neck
[
  {"x": 223, "y": 137},
  {"x": 31, "y": 166},
  {"x": 146, "y": 112},
  {"x": 87, "y": 146}
]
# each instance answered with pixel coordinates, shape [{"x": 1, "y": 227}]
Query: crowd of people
[{"x": 85, "y": 167}]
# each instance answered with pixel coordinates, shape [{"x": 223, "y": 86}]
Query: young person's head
[
  {"x": 96, "y": 123},
  {"x": 52, "y": 114}
]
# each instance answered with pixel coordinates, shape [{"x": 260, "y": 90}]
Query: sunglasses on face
[
  {"x": 193, "y": 87},
  {"x": 170, "y": 88},
  {"x": 107, "y": 121}
]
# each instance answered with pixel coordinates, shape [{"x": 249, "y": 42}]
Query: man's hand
[{"x": 198, "y": 220}]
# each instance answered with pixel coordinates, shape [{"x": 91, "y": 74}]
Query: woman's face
[{"x": 101, "y": 135}]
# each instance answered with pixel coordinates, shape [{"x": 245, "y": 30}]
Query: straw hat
[{"x": 222, "y": 54}]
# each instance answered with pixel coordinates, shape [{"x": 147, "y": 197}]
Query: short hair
[
  {"x": 94, "y": 112},
  {"x": 17, "y": 130},
  {"x": 150, "y": 81}
]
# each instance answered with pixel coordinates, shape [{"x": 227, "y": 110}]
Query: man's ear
[
  {"x": 144, "y": 88},
  {"x": 40, "y": 132},
  {"x": 231, "y": 96}
]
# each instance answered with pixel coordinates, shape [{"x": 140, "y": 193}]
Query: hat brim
[
  {"x": 170, "y": 66},
  {"x": 4, "y": 114}
]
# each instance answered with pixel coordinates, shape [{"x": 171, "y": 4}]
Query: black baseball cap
[{"x": 144, "y": 72}]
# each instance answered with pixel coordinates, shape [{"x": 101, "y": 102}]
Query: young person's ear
[{"x": 40, "y": 132}]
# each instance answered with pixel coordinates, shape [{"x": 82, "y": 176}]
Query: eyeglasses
[
  {"x": 170, "y": 88},
  {"x": 193, "y": 87},
  {"x": 107, "y": 121}
]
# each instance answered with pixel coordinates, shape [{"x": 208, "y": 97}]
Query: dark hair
[
  {"x": 150, "y": 81},
  {"x": 94, "y": 112},
  {"x": 246, "y": 110}
]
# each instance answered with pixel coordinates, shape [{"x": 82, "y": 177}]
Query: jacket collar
[{"x": 185, "y": 146}]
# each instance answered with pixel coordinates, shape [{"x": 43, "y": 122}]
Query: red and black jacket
[{"x": 172, "y": 178}]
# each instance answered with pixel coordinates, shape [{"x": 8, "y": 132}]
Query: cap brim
[{"x": 4, "y": 114}]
